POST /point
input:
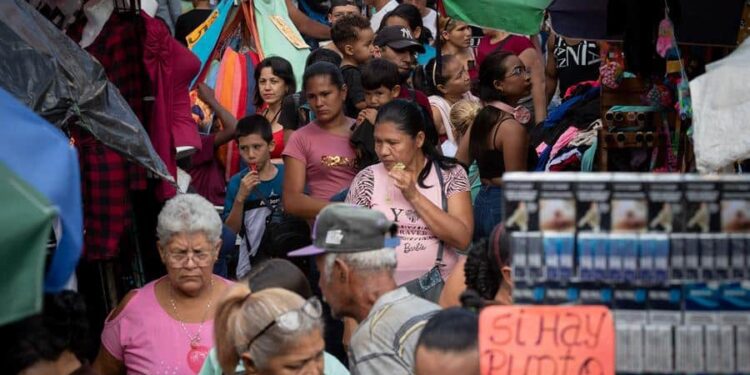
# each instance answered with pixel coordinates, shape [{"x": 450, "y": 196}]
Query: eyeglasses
[
  {"x": 338, "y": 15},
  {"x": 291, "y": 320},
  {"x": 518, "y": 70},
  {"x": 179, "y": 259}
]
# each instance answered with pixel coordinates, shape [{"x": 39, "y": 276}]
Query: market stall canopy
[
  {"x": 514, "y": 16},
  {"x": 42, "y": 156},
  {"x": 696, "y": 21},
  {"x": 26, "y": 219},
  {"x": 52, "y": 75}
]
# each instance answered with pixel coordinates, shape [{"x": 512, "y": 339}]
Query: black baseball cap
[
  {"x": 398, "y": 38},
  {"x": 346, "y": 228}
]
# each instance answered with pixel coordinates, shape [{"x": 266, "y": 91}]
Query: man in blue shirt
[{"x": 250, "y": 191}]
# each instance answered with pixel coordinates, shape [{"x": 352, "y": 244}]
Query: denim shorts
[{"x": 488, "y": 210}]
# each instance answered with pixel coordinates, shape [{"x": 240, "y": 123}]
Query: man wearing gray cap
[{"x": 354, "y": 249}]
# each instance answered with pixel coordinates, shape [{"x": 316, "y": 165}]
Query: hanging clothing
[
  {"x": 188, "y": 22},
  {"x": 279, "y": 37},
  {"x": 171, "y": 68},
  {"x": 576, "y": 63},
  {"x": 106, "y": 177},
  {"x": 106, "y": 180}
]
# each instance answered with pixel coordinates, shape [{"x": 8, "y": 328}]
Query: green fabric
[
  {"x": 26, "y": 219},
  {"x": 331, "y": 365},
  {"x": 514, "y": 16},
  {"x": 474, "y": 181},
  {"x": 273, "y": 42},
  {"x": 587, "y": 160}
]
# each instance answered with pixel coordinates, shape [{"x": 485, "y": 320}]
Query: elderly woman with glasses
[
  {"x": 166, "y": 327},
  {"x": 272, "y": 332}
]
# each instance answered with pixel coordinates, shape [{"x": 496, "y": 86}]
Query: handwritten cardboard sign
[{"x": 547, "y": 340}]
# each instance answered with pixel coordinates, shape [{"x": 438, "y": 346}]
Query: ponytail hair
[
  {"x": 462, "y": 115},
  {"x": 228, "y": 318},
  {"x": 242, "y": 316},
  {"x": 408, "y": 118}
]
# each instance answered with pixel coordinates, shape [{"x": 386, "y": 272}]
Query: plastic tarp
[
  {"x": 52, "y": 75},
  {"x": 721, "y": 109}
]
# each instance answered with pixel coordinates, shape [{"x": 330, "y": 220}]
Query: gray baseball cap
[{"x": 346, "y": 228}]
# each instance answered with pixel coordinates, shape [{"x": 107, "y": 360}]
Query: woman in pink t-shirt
[
  {"x": 414, "y": 186},
  {"x": 319, "y": 156},
  {"x": 166, "y": 327}
]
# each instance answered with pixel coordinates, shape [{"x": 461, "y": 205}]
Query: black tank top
[{"x": 576, "y": 63}]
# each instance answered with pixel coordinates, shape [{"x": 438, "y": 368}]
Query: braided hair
[{"x": 485, "y": 261}]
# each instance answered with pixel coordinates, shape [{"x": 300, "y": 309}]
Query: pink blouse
[
  {"x": 372, "y": 188},
  {"x": 149, "y": 341}
]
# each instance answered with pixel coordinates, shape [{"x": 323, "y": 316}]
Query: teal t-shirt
[{"x": 331, "y": 366}]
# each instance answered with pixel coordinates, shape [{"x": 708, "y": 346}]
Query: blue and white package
[
  {"x": 677, "y": 244},
  {"x": 558, "y": 255},
  {"x": 623, "y": 251},
  {"x": 592, "y": 256},
  {"x": 654, "y": 260},
  {"x": 519, "y": 244},
  {"x": 692, "y": 257},
  {"x": 721, "y": 260},
  {"x": 535, "y": 256},
  {"x": 738, "y": 255},
  {"x": 707, "y": 256}
]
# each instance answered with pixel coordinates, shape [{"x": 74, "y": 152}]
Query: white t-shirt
[
  {"x": 430, "y": 22},
  {"x": 377, "y": 18}
]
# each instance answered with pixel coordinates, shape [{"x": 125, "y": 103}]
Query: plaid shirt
[{"x": 107, "y": 177}]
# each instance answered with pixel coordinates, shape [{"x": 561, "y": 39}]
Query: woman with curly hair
[{"x": 486, "y": 270}]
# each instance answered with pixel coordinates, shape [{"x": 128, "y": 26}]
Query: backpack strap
[
  {"x": 410, "y": 327},
  {"x": 444, "y": 206}
]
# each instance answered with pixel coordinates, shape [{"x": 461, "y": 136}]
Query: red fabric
[
  {"x": 419, "y": 97},
  {"x": 514, "y": 44},
  {"x": 207, "y": 173},
  {"x": 278, "y": 138},
  {"x": 171, "y": 67},
  {"x": 105, "y": 178},
  {"x": 242, "y": 102}
]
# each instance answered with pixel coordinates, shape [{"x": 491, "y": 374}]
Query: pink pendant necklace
[{"x": 197, "y": 353}]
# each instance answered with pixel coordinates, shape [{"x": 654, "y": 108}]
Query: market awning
[
  {"x": 56, "y": 78},
  {"x": 514, "y": 16}
]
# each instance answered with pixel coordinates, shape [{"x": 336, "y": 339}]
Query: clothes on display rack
[
  {"x": 279, "y": 37},
  {"x": 171, "y": 68}
]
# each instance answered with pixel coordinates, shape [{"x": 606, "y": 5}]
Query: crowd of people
[{"x": 392, "y": 158}]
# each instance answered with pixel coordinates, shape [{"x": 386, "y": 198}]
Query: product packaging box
[
  {"x": 738, "y": 255},
  {"x": 521, "y": 202},
  {"x": 702, "y": 200},
  {"x": 558, "y": 255},
  {"x": 654, "y": 260},
  {"x": 666, "y": 206},
  {"x": 592, "y": 256},
  {"x": 735, "y": 204},
  {"x": 629, "y": 203},
  {"x": 623, "y": 257},
  {"x": 593, "y": 192}
]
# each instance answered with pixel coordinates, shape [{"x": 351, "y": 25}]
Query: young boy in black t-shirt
[{"x": 353, "y": 38}]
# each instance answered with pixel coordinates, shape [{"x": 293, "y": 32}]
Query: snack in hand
[
  {"x": 398, "y": 167},
  {"x": 253, "y": 167}
]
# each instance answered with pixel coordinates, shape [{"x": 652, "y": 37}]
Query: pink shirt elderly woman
[{"x": 166, "y": 327}]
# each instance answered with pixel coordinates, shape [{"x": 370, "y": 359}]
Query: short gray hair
[
  {"x": 376, "y": 260},
  {"x": 188, "y": 213}
]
